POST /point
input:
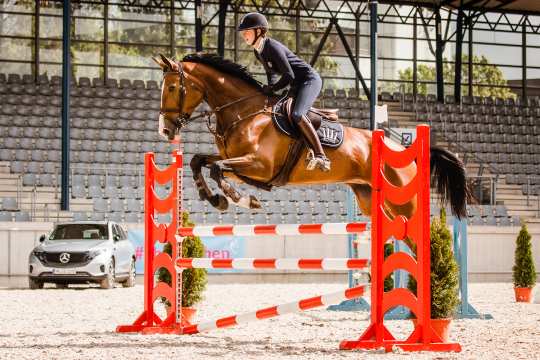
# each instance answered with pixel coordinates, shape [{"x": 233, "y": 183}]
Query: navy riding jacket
[{"x": 277, "y": 60}]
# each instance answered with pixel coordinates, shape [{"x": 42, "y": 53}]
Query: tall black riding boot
[{"x": 319, "y": 160}]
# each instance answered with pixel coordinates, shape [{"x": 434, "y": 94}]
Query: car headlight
[
  {"x": 40, "y": 254},
  {"x": 94, "y": 253}
]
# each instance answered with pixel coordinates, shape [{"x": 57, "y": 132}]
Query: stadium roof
[{"x": 511, "y": 6}]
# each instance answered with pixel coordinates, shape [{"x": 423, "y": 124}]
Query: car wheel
[
  {"x": 62, "y": 286},
  {"x": 108, "y": 282},
  {"x": 35, "y": 284},
  {"x": 130, "y": 282}
]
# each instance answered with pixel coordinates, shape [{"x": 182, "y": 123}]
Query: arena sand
[{"x": 79, "y": 323}]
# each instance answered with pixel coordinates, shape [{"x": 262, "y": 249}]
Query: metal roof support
[
  {"x": 470, "y": 27},
  {"x": 198, "y": 26},
  {"x": 105, "y": 42},
  {"x": 223, "y": 4},
  {"x": 36, "y": 40},
  {"x": 373, "y": 9},
  {"x": 459, "y": 56},
  {"x": 415, "y": 55},
  {"x": 236, "y": 35},
  {"x": 357, "y": 50},
  {"x": 524, "y": 63},
  {"x": 172, "y": 32},
  {"x": 66, "y": 77},
  {"x": 439, "y": 47},
  {"x": 298, "y": 28}
]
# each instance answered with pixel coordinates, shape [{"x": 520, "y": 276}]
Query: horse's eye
[{"x": 171, "y": 88}]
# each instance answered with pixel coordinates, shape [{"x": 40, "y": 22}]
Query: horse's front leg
[
  {"x": 199, "y": 161},
  {"x": 217, "y": 172}
]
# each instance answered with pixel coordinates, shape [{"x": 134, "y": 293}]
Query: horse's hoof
[
  {"x": 254, "y": 203},
  {"x": 202, "y": 195},
  {"x": 220, "y": 202}
]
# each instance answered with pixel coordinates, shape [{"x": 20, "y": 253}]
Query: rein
[
  {"x": 183, "y": 118},
  {"x": 223, "y": 136}
]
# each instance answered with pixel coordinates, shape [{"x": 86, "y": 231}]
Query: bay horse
[{"x": 253, "y": 150}]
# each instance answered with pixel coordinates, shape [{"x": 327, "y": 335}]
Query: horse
[{"x": 253, "y": 150}]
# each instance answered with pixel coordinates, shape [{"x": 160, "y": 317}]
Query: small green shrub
[
  {"x": 524, "y": 273},
  {"x": 444, "y": 271},
  {"x": 193, "y": 280}
]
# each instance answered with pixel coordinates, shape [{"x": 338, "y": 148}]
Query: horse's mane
[{"x": 223, "y": 65}]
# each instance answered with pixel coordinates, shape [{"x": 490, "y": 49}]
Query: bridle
[{"x": 183, "y": 118}]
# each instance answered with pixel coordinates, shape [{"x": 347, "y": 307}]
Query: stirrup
[{"x": 319, "y": 161}]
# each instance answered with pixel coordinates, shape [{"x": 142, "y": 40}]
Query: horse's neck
[
  {"x": 227, "y": 92},
  {"x": 220, "y": 94}
]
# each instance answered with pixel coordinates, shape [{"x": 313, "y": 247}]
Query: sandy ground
[{"x": 79, "y": 324}]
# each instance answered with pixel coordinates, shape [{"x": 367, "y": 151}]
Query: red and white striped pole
[
  {"x": 276, "y": 264},
  {"x": 273, "y": 311},
  {"x": 279, "y": 229}
]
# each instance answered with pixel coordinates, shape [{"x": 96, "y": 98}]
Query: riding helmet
[{"x": 252, "y": 20}]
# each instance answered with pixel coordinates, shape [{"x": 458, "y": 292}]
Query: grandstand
[
  {"x": 114, "y": 99},
  {"x": 106, "y": 155}
]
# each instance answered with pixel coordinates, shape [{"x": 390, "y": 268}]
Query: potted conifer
[
  {"x": 524, "y": 273},
  {"x": 444, "y": 278},
  {"x": 193, "y": 280},
  {"x": 389, "y": 281}
]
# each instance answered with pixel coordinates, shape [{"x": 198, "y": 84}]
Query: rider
[{"x": 305, "y": 82}]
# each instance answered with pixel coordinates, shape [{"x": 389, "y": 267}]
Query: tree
[
  {"x": 158, "y": 33},
  {"x": 483, "y": 74},
  {"x": 193, "y": 280},
  {"x": 444, "y": 271},
  {"x": 425, "y": 74},
  {"x": 155, "y": 34},
  {"x": 389, "y": 281},
  {"x": 524, "y": 273}
]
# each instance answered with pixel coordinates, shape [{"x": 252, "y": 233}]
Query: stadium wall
[{"x": 491, "y": 252}]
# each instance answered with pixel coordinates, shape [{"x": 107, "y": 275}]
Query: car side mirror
[
  {"x": 116, "y": 237},
  {"x": 42, "y": 238}
]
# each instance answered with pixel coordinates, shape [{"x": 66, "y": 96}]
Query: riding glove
[{"x": 268, "y": 90}]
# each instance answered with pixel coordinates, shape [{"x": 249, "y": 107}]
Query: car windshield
[{"x": 80, "y": 232}]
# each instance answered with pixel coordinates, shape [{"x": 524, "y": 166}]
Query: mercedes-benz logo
[{"x": 64, "y": 258}]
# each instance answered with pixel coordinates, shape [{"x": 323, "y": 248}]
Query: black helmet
[{"x": 252, "y": 20}]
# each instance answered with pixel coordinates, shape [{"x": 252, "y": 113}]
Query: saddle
[{"x": 324, "y": 121}]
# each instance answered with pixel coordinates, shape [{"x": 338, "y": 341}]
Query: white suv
[{"x": 83, "y": 252}]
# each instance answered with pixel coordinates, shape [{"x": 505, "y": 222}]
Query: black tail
[{"x": 448, "y": 177}]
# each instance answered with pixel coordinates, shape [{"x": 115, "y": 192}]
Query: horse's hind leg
[
  {"x": 362, "y": 192},
  {"x": 197, "y": 162},
  {"x": 217, "y": 174}
]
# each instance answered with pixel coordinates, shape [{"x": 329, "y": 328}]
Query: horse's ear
[
  {"x": 159, "y": 62},
  {"x": 166, "y": 61}
]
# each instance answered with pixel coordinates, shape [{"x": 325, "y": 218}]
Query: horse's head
[{"x": 180, "y": 95}]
